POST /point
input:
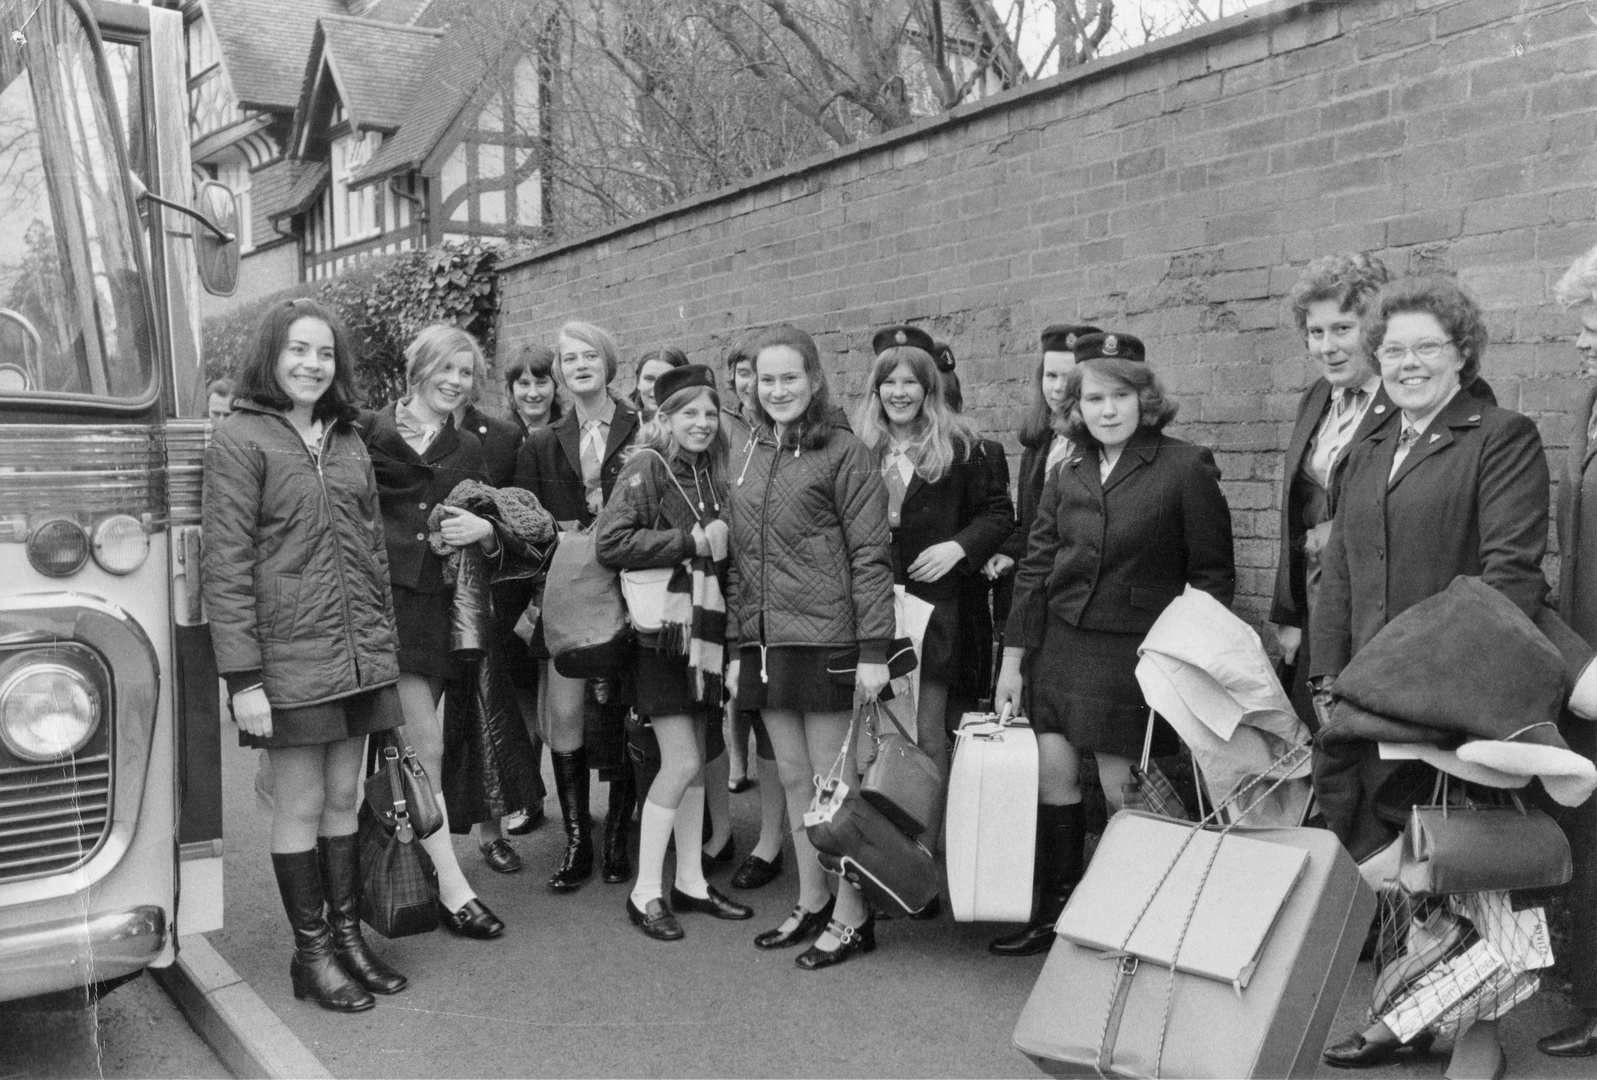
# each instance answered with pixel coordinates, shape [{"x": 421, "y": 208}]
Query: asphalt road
[
  {"x": 573, "y": 990},
  {"x": 134, "y": 1031}
]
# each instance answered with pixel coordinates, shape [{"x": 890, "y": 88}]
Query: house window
[
  {"x": 236, "y": 175},
  {"x": 354, "y": 209}
]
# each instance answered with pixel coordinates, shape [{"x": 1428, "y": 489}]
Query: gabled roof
[
  {"x": 283, "y": 189},
  {"x": 480, "y": 39},
  {"x": 264, "y": 44},
  {"x": 374, "y": 65}
]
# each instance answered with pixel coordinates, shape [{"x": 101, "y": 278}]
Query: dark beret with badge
[
  {"x": 1061, "y": 337},
  {"x": 1113, "y": 346},
  {"x": 681, "y": 378},
  {"x": 892, "y": 337}
]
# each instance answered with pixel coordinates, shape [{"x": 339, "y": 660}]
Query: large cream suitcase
[{"x": 992, "y": 819}]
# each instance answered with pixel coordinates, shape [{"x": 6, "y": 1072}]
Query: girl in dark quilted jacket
[
  {"x": 302, "y": 621},
  {"x": 666, "y": 514},
  {"x": 812, "y": 588}
]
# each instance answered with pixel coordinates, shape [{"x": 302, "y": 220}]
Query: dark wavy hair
[
  {"x": 1154, "y": 409},
  {"x": 813, "y": 429},
  {"x": 257, "y": 375},
  {"x": 1441, "y": 297},
  {"x": 1350, "y": 279}
]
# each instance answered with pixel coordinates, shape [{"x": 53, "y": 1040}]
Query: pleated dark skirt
[
  {"x": 423, "y": 621},
  {"x": 796, "y": 680},
  {"x": 1084, "y": 687}
]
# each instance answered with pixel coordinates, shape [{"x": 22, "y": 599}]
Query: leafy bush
[{"x": 385, "y": 302}]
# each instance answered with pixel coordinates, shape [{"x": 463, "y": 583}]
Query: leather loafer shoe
[
  {"x": 1576, "y": 1040},
  {"x": 655, "y": 920},
  {"x": 713, "y": 904},
  {"x": 756, "y": 872},
  {"x": 530, "y": 820},
  {"x": 722, "y": 857},
  {"x": 1357, "y": 1052},
  {"x": 500, "y": 856},
  {"x": 473, "y": 920}
]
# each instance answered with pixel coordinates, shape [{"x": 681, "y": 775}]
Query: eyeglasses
[{"x": 1425, "y": 350}]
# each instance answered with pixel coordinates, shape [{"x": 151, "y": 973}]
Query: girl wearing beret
[{"x": 1126, "y": 522}]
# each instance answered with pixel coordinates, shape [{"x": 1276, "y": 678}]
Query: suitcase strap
[{"x": 1125, "y": 968}]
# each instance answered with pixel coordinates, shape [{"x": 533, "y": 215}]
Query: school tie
[
  {"x": 1407, "y": 437},
  {"x": 592, "y": 462},
  {"x": 1348, "y": 410},
  {"x": 896, "y": 489}
]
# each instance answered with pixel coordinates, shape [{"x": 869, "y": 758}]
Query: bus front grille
[{"x": 53, "y": 817}]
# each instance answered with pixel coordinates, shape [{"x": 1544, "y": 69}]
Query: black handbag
[
  {"x": 902, "y": 780},
  {"x": 400, "y": 786},
  {"x": 399, "y": 888},
  {"x": 1465, "y": 847}
]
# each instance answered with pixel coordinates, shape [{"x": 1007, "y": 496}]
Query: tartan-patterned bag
[
  {"x": 1150, "y": 789},
  {"x": 399, "y": 889}
]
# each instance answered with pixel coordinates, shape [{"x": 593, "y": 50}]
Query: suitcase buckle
[{"x": 1128, "y": 966}]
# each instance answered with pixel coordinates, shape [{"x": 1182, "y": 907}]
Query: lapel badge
[
  {"x": 1111, "y": 345},
  {"x": 1434, "y": 436},
  {"x": 1070, "y": 341},
  {"x": 1475, "y": 419},
  {"x": 901, "y": 337},
  {"x": 1379, "y": 409}
]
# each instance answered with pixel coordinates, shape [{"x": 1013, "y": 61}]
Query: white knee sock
[
  {"x": 653, "y": 835},
  {"x": 689, "y": 830}
]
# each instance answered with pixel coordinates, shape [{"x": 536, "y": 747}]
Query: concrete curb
[{"x": 247, "y": 1035}]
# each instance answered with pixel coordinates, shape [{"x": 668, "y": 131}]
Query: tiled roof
[
  {"x": 264, "y": 44},
  {"x": 376, "y": 65},
  {"x": 281, "y": 189},
  {"x": 476, "y": 36}
]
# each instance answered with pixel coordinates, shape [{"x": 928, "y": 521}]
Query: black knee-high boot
[
  {"x": 342, "y": 886},
  {"x": 617, "y": 825},
  {"x": 571, "y": 784},
  {"x": 314, "y": 971},
  {"x": 1061, "y": 839}
]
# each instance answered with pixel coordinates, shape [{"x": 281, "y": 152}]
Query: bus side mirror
[{"x": 216, "y": 249}]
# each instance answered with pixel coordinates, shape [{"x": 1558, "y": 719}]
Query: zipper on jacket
[
  {"x": 338, "y": 548},
  {"x": 765, "y": 517}
]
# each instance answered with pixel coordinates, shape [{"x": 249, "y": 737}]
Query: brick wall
[{"x": 1173, "y": 192}]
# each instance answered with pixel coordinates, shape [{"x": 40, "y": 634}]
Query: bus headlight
[
  {"x": 120, "y": 544},
  {"x": 48, "y": 710},
  {"x": 58, "y": 547}
]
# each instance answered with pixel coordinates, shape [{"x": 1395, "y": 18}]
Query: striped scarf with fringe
[{"x": 693, "y": 623}]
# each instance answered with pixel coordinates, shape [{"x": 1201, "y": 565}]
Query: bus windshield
[{"x": 73, "y": 319}]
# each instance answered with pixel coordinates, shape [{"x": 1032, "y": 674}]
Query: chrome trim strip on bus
[
  {"x": 130, "y": 657},
  {"x": 80, "y": 951}
]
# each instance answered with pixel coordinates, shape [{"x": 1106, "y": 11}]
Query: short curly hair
[
  {"x": 1579, "y": 284},
  {"x": 1350, "y": 279},
  {"x": 1445, "y": 300},
  {"x": 1154, "y": 408}
]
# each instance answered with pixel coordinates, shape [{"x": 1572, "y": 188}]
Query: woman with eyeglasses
[{"x": 1455, "y": 486}]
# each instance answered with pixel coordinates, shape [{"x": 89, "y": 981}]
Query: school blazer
[
  {"x": 500, "y": 440},
  {"x": 968, "y": 505},
  {"x": 1568, "y": 519},
  {"x": 1110, "y": 556},
  {"x": 1028, "y": 490},
  {"x": 1470, "y": 498},
  {"x": 549, "y": 463}
]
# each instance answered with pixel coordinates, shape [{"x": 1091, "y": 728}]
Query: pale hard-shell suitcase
[{"x": 992, "y": 819}]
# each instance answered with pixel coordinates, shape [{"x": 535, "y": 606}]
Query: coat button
[
  {"x": 422, "y": 505},
  {"x": 1380, "y": 554},
  {"x": 421, "y": 536}
]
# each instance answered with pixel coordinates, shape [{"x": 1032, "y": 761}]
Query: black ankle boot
[
  {"x": 1061, "y": 839},
  {"x": 341, "y": 885},
  {"x": 314, "y": 971},
  {"x": 571, "y": 784},
  {"x": 617, "y": 825}
]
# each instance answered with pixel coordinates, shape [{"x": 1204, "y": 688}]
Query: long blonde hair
[
  {"x": 655, "y": 432},
  {"x": 941, "y": 437}
]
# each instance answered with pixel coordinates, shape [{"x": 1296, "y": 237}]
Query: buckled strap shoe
[
  {"x": 756, "y": 873},
  {"x": 473, "y": 920},
  {"x": 810, "y": 924},
  {"x": 500, "y": 856},
  {"x": 655, "y": 920},
  {"x": 850, "y": 939},
  {"x": 714, "y": 904}
]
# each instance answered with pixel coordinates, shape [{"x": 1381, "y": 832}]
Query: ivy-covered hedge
[{"x": 384, "y": 302}]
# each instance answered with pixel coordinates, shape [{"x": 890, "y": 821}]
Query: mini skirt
[
  {"x": 365, "y": 713},
  {"x": 424, "y": 621},
  {"x": 1084, "y": 687},
  {"x": 796, "y": 680},
  {"x": 663, "y": 685}
]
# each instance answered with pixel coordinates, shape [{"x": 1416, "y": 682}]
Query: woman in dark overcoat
[
  {"x": 571, "y": 467},
  {"x": 1125, "y": 524},
  {"x": 946, "y": 515},
  {"x": 419, "y": 455},
  {"x": 1577, "y": 603},
  {"x": 1456, "y": 486}
]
